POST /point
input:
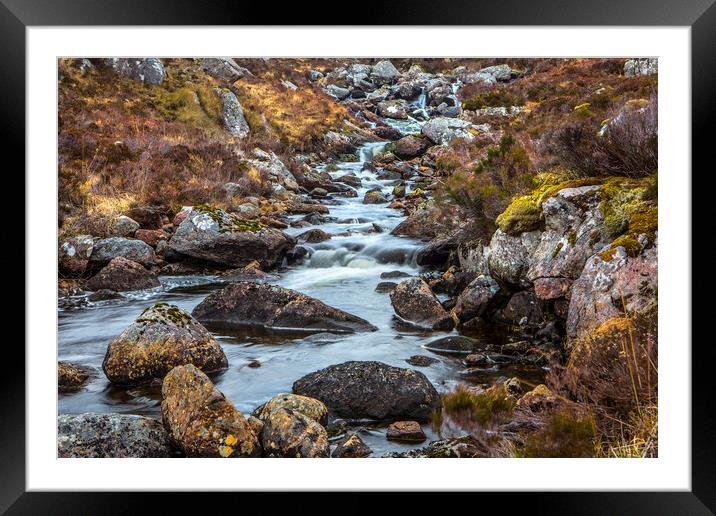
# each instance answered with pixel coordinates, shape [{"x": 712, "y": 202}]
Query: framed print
[{"x": 372, "y": 247}]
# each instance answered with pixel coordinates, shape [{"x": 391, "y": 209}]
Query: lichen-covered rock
[
  {"x": 74, "y": 254},
  {"x": 337, "y": 92},
  {"x": 309, "y": 407},
  {"x": 644, "y": 66},
  {"x": 374, "y": 197},
  {"x": 384, "y": 72},
  {"x": 270, "y": 164},
  {"x": 111, "y": 436},
  {"x": 212, "y": 235},
  {"x": 108, "y": 248},
  {"x": 411, "y": 146},
  {"x": 224, "y": 69},
  {"x": 124, "y": 226},
  {"x": 499, "y": 72},
  {"x": 610, "y": 286},
  {"x": 122, "y": 275},
  {"x": 393, "y": 109},
  {"x": 371, "y": 390},
  {"x": 270, "y": 306},
  {"x": 441, "y": 130},
  {"x": 405, "y": 431},
  {"x": 148, "y": 70},
  {"x": 233, "y": 114},
  {"x": 289, "y": 433},
  {"x": 352, "y": 447},
  {"x": 70, "y": 377},
  {"x": 415, "y": 303},
  {"x": 509, "y": 256},
  {"x": 201, "y": 421},
  {"x": 162, "y": 337},
  {"x": 475, "y": 300},
  {"x": 574, "y": 231}
]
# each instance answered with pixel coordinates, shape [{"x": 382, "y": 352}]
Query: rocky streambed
[{"x": 263, "y": 361}]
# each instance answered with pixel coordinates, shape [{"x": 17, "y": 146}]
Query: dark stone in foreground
[
  {"x": 122, "y": 275},
  {"x": 111, "y": 436},
  {"x": 271, "y": 306},
  {"x": 461, "y": 447},
  {"x": 70, "y": 377},
  {"x": 288, "y": 433},
  {"x": 456, "y": 344},
  {"x": 385, "y": 286},
  {"x": 352, "y": 447},
  {"x": 371, "y": 390},
  {"x": 405, "y": 431}
]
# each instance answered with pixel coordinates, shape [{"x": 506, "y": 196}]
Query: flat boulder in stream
[
  {"x": 162, "y": 337},
  {"x": 122, "y": 275},
  {"x": 270, "y": 306},
  {"x": 212, "y": 235},
  {"x": 415, "y": 304},
  {"x": 371, "y": 390},
  {"x": 456, "y": 345},
  {"x": 201, "y": 421}
]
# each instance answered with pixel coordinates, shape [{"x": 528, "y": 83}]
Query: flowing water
[{"x": 342, "y": 272}]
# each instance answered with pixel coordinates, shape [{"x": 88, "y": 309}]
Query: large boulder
[
  {"x": 288, "y": 433},
  {"x": 309, "y": 407},
  {"x": 232, "y": 114},
  {"x": 371, "y": 390},
  {"x": 574, "y": 231},
  {"x": 475, "y": 300},
  {"x": 271, "y": 165},
  {"x": 74, "y": 254},
  {"x": 442, "y": 130},
  {"x": 337, "y": 91},
  {"x": 509, "y": 256},
  {"x": 224, "y": 69},
  {"x": 212, "y": 235},
  {"x": 436, "y": 253},
  {"x": 274, "y": 307},
  {"x": 415, "y": 303},
  {"x": 500, "y": 73},
  {"x": 383, "y": 72},
  {"x": 162, "y": 337},
  {"x": 108, "y": 248},
  {"x": 148, "y": 70},
  {"x": 122, "y": 275},
  {"x": 111, "y": 436},
  {"x": 611, "y": 285},
  {"x": 201, "y": 421},
  {"x": 522, "y": 308},
  {"x": 411, "y": 146}
]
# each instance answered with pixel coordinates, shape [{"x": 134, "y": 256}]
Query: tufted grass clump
[{"x": 481, "y": 408}]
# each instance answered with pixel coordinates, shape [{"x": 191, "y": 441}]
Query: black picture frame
[{"x": 699, "y": 15}]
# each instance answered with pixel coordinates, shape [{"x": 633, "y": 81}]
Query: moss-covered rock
[
  {"x": 288, "y": 433},
  {"x": 70, "y": 377},
  {"x": 201, "y": 421},
  {"x": 162, "y": 337},
  {"x": 309, "y": 407}
]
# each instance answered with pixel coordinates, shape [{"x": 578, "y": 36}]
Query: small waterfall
[{"x": 422, "y": 101}]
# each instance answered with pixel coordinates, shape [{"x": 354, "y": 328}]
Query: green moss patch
[
  {"x": 163, "y": 313},
  {"x": 228, "y": 222}
]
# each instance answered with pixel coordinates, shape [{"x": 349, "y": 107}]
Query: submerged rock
[
  {"x": 309, "y": 407},
  {"x": 212, "y": 235},
  {"x": 456, "y": 344},
  {"x": 162, "y": 337},
  {"x": 405, "y": 431},
  {"x": 111, "y": 436},
  {"x": 351, "y": 447},
  {"x": 313, "y": 236},
  {"x": 415, "y": 303},
  {"x": 371, "y": 390},
  {"x": 122, "y": 275},
  {"x": 274, "y": 307},
  {"x": 201, "y": 421},
  {"x": 421, "y": 361},
  {"x": 70, "y": 377},
  {"x": 289, "y": 433}
]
